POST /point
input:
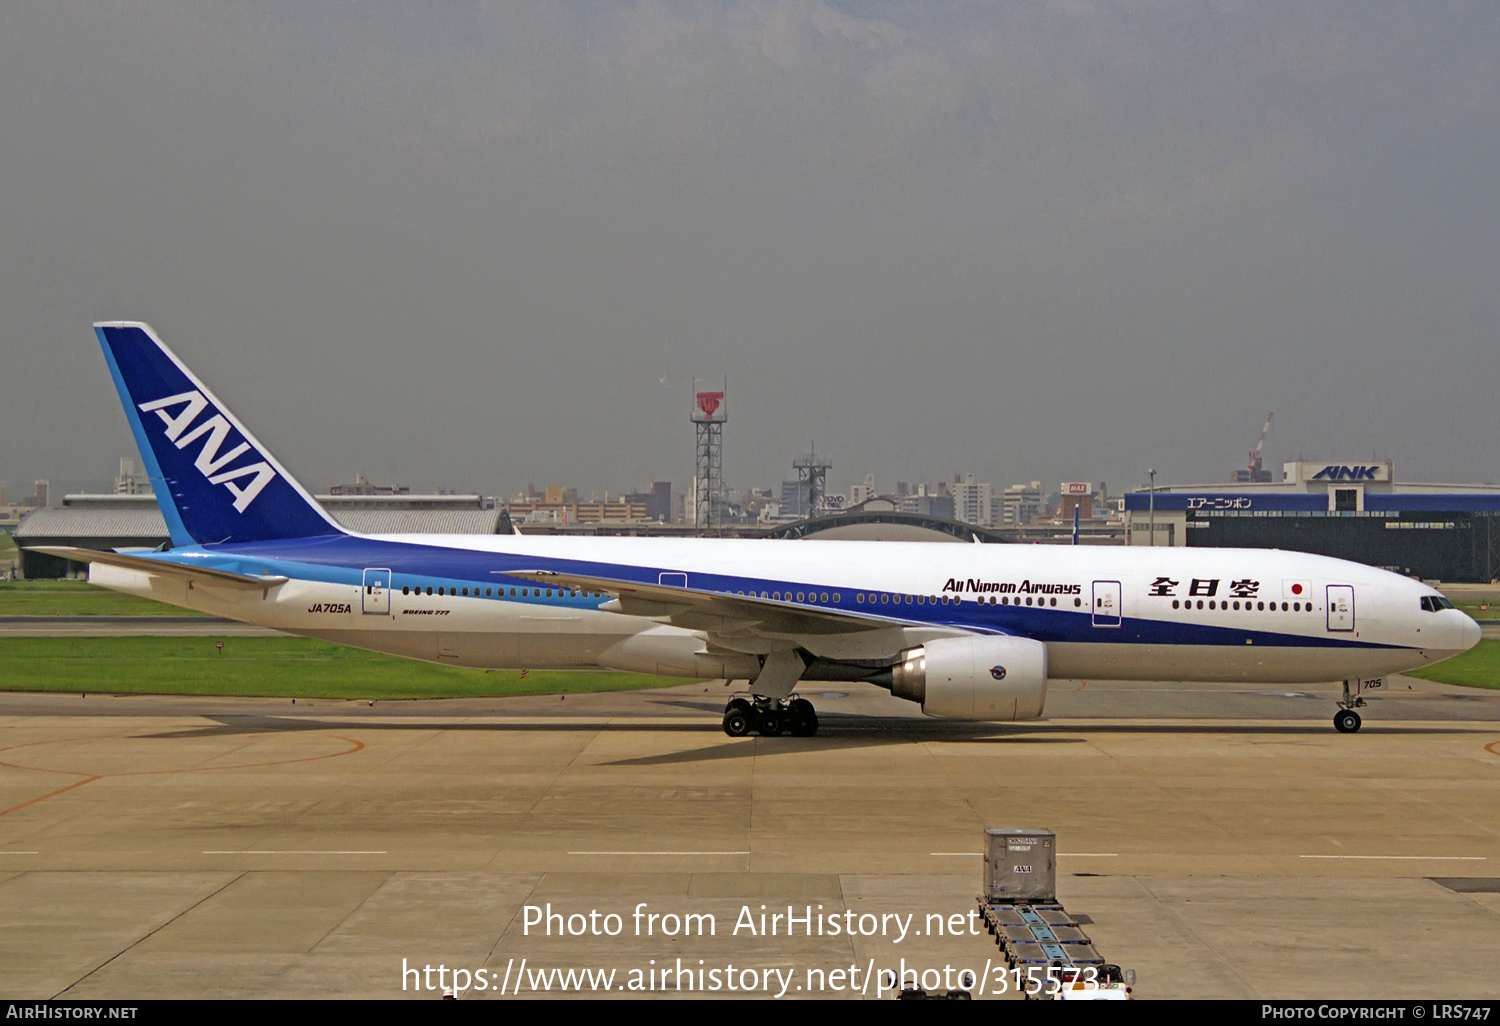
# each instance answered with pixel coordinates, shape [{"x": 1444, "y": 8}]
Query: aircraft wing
[
  {"x": 162, "y": 567},
  {"x": 714, "y": 611}
]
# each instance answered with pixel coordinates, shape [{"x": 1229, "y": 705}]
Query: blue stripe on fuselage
[{"x": 343, "y": 560}]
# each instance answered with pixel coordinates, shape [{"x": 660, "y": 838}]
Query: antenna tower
[
  {"x": 812, "y": 479},
  {"x": 710, "y": 412}
]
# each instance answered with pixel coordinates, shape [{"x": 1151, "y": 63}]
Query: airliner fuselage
[{"x": 1108, "y": 613}]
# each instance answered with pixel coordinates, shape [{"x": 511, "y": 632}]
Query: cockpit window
[{"x": 1433, "y": 603}]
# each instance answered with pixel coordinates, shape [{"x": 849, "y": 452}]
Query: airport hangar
[{"x": 1355, "y": 511}]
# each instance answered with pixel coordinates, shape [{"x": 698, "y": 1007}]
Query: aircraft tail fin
[{"x": 213, "y": 480}]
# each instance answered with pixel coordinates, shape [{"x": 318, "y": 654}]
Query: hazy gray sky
[{"x": 462, "y": 244}]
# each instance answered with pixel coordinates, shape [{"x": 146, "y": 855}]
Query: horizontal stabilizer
[{"x": 163, "y": 568}]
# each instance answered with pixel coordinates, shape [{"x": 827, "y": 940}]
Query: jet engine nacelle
[{"x": 979, "y": 678}]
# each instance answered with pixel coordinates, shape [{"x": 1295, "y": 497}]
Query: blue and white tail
[{"x": 213, "y": 480}]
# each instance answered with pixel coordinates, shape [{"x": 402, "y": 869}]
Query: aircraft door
[
  {"x": 1107, "y": 604},
  {"x": 1340, "y": 607},
  {"x": 376, "y": 597}
]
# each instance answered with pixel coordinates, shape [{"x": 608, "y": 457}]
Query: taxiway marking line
[
  {"x": 1061, "y": 854},
  {"x": 658, "y": 853},
  {"x": 1405, "y": 858},
  {"x": 90, "y": 778},
  {"x": 296, "y": 853},
  {"x": 49, "y": 794}
]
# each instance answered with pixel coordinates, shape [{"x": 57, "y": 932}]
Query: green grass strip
[
  {"x": 270, "y": 667},
  {"x": 77, "y": 598},
  {"x": 1479, "y": 667}
]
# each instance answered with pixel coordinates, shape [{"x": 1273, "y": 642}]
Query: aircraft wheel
[
  {"x": 772, "y": 723},
  {"x": 804, "y": 718},
  {"x": 1346, "y": 721},
  {"x": 739, "y": 718}
]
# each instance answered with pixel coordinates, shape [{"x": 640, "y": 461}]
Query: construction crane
[{"x": 1253, "y": 471}]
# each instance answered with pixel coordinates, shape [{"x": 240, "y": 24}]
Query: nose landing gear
[
  {"x": 1346, "y": 720},
  {"x": 770, "y": 717}
]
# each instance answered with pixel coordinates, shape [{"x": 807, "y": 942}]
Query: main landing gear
[
  {"x": 770, "y": 717},
  {"x": 1346, "y": 720}
]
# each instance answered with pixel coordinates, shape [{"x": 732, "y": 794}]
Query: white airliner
[{"x": 968, "y": 631}]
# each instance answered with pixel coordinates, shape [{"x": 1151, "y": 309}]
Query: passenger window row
[
  {"x": 953, "y": 600},
  {"x": 1293, "y": 607},
  {"x": 879, "y": 597},
  {"x": 801, "y": 596},
  {"x": 884, "y": 599},
  {"x": 1007, "y": 600},
  {"x": 500, "y": 592}
]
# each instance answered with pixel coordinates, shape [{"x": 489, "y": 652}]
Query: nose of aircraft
[{"x": 1471, "y": 633}]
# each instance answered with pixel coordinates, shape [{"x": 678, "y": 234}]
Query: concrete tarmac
[{"x": 1222, "y": 840}]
